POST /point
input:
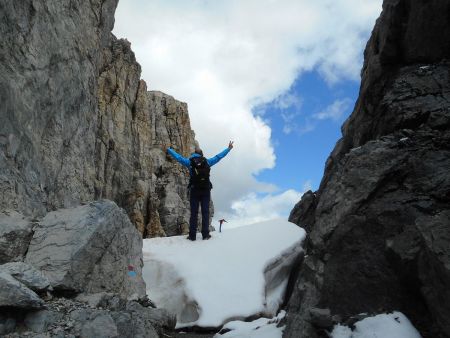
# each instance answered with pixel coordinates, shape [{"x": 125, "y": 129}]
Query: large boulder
[
  {"x": 15, "y": 235},
  {"x": 16, "y": 295},
  {"x": 90, "y": 248}
]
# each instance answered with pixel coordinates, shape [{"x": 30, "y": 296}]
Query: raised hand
[
  {"x": 230, "y": 145},
  {"x": 165, "y": 147}
]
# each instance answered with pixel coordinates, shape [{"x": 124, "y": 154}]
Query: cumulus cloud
[
  {"x": 288, "y": 100},
  {"x": 252, "y": 208},
  {"x": 225, "y": 57},
  {"x": 334, "y": 111}
]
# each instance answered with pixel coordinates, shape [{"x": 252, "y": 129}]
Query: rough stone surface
[
  {"x": 27, "y": 275},
  {"x": 16, "y": 295},
  {"x": 49, "y": 65},
  {"x": 39, "y": 321},
  {"x": 135, "y": 126},
  {"x": 159, "y": 318},
  {"x": 70, "y": 318},
  {"x": 379, "y": 223},
  {"x": 102, "y": 326},
  {"x": 434, "y": 265},
  {"x": 321, "y": 318},
  {"x": 15, "y": 235},
  {"x": 89, "y": 248},
  {"x": 78, "y": 124},
  {"x": 305, "y": 206},
  {"x": 7, "y": 324},
  {"x": 100, "y": 299}
]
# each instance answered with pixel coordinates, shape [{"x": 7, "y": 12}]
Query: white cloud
[
  {"x": 288, "y": 118},
  {"x": 288, "y": 100},
  {"x": 252, "y": 208},
  {"x": 334, "y": 111},
  {"x": 226, "y": 57}
]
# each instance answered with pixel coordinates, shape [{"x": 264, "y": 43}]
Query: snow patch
[
  {"x": 169, "y": 288},
  {"x": 392, "y": 325},
  {"x": 236, "y": 274},
  {"x": 260, "y": 328}
]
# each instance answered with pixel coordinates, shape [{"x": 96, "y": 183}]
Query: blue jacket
[{"x": 187, "y": 163}]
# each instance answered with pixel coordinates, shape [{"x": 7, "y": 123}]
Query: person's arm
[
  {"x": 218, "y": 157},
  {"x": 180, "y": 159}
]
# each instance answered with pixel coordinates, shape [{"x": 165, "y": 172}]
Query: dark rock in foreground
[{"x": 379, "y": 224}]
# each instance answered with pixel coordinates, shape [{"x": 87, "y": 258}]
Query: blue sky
[
  {"x": 277, "y": 77},
  {"x": 301, "y": 154}
]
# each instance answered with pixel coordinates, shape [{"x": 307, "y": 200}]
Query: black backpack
[{"x": 200, "y": 173}]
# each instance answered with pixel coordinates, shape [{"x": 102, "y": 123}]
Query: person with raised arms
[{"x": 200, "y": 186}]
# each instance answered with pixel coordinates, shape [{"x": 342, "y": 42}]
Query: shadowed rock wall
[{"x": 379, "y": 225}]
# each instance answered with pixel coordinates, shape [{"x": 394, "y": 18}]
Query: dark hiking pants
[{"x": 199, "y": 197}]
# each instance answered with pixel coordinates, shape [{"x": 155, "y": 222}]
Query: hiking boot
[
  {"x": 190, "y": 238},
  {"x": 206, "y": 237}
]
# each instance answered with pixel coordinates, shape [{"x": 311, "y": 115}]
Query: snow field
[{"x": 238, "y": 273}]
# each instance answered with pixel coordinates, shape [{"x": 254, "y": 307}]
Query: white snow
[
  {"x": 238, "y": 273},
  {"x": 392, "y": 325},
  {"x": 260, "y": 328}
]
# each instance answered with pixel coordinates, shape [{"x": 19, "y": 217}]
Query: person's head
[{"x": 198, "y": 151}]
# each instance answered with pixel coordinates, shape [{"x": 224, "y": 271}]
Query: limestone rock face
[
  {"x": 379, "y": 223},
  {"x": 78, "y": 124},
  {"x": 89, "y": 248},
  {"x": 135, "y": 127},
  {"x": 50, "y": 60}
]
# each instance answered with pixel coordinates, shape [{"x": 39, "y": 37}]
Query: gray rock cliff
[
  {"x": 78, "y": 124},
  {"x": 83, "y": 174},
  {"x": 379, "y": 226}
]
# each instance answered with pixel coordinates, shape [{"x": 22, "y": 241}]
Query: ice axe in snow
[{"x": 221, "y": 222}]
